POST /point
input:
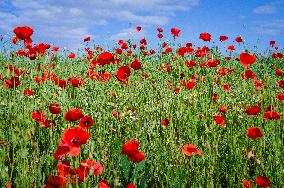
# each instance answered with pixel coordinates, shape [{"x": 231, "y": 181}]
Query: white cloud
[
  {"x": 129, "y": 33},
  {"x": 269, "y": 27},
  {"x": 265, "y": 9},
  {"x": 67, "y": 22}
]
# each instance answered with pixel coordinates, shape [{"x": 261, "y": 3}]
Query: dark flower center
[{"x": 74, "y": 141}]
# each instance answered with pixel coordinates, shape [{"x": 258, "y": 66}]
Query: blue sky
[{"x": 66, "y": 22}]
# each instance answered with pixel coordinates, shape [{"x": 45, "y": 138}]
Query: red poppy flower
[
  {"x": 23, "y": 32},
  {"x": 280, "y": 97},
  {"x": 54, "y": 108},
  {"x": 160, "y": 30},
  {"x": 231, "y": 48},
  {"x": 165, "y": 122},
  {"x": 279, "y": 72},
  {"x": 220, "y": 120},
  {"x": 272, "y": 43},
  {"x": 160, "y": 35},
  {"x": 63, "y": 168},
  {"x": 246, "y": 59},
  {"x": 176, "y": 91},
  {"x": 138, "y": 28},
  {"x": 87, "y": 166},
  {"x": 76, "y": 81},
  {"x": 136, "y": 65},
  {"x": 60, "y": 152},
  {"x": 189, "y": 85},
  {"x": 137, "y": 157},
  {"x": 28, "y": 92},
  {"x": 247, "y": 184},
  {"x": 105, "y": 58},
  {"x": 248, "y": 74},
  {"x": 75, "y": 136},
  {"x": 103, "y": 184},
  {"x": 175, "y": 32},
  {"x": 189, "y": 149},
  {"x": 281, "y": 83},
  {"x": 262, "y": 181},
  {"x": 253, "y": 110},
  {"x": 122, "y": 73},
  {"x": 56, "y": 181},
  {"x": 239, "y": 39},
  {"x": 130, "y": 185},
  {"x": 223, "y": 38},
  {"x": 2, "y": 142},
  {"x": 87, "y": 39},
  {"x": 254, "y": 133},
  {"x": 222, "y": 109},
  {"x": 73, "y": 115},
  {"x": 130, "y": 147},
  {"x": 271, "y": 115},
  {"x": 13, "y": 82},
  {"x": 227, "y": 87},
  {"x": 86, "y": 122},
  {"x": 71, "y": 55},
  {"x": 205, "y": 36}
]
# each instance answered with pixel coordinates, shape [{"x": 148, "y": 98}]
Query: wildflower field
[{"x": 131, "y": 116}]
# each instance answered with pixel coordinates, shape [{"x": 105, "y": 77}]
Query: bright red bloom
[
  {"x": 280, "y": 97},
  {"x": 189, "y": 85},
  {"x": 272, "y": 43},
  {"x": 227, "y": 87},
  {"x": 122, "y": 73},
  {"x": 231, "y": 48},
  {"x": 189, "y": 149},
  {"x": 223, "y": 38},
  {"x": 239, "y": 39},
  {"x": 222, "y": 109},
  {"x": 137, "y": 157},
  {"x": 254, "y": 133},
  {"x": 176, "y": 90},
  {"x": 220, "y": 120},
  {"x": 248, "y": 74},
  {"x": 138, "y": 28},
  {"x": 271, "y": 115},
  {"x": 279, "y": 72},
  {"x": 103, "y": 184},
  {"x": 136, "y": 65},
  {"x": 63, "y": 168},
  {"x": 281, "y": 83},
  {"x": 87, "y": 39},
  {"x": 130, "y": 185},
  {"x": 75, "y": 136},
  {"x": 205, "y": 36},
  {"x": 105, "y": 58},
  {"x": 165, "y": 122},
  {"x": 247, "y": 59},
  {"x": 253, "y": 110},
  {"x": 175, "y": 32},
  {"x": 87, "y": 166},
  {"x": 71, "y": 55},
  {"x": 130, "y": 147},
  {"x": 73, "y": 115},
  {"x": 86, "y": 122},
  {"x": 262, "y": 181},
  {"x": 61, "y": 151},
  {"x": 28, "y": 92},
  {"x": 42, "y": 120},
  {"x": 76, "y": 81},
  {"x": 247, "y": 184},
  {"x": 160, "y": 35},
  {"x": 13, "y": 82},
  {"x": 23, "y": 32},
  {"x": 54, "y": 108},
  {"x": 160, "y": 30},
  {"x": 56, "y": 181}
]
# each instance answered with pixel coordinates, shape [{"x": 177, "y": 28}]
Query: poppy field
[{"x": 179, "y": 115}]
